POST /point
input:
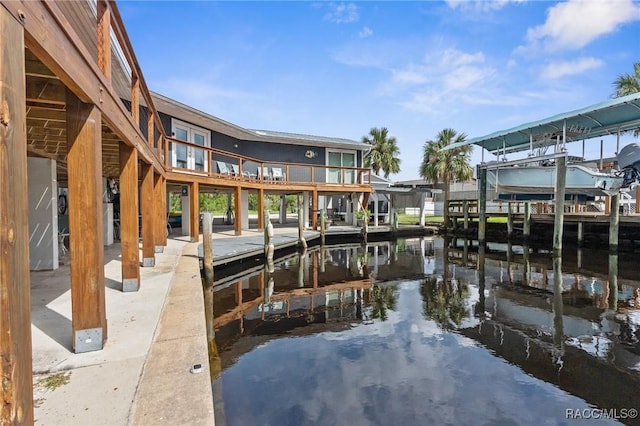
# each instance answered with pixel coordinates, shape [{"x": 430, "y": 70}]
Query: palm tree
[
  {"x": 628, "y": 83},
  {"x": 384, "y": 152},
  {"x": 439, "y": 165}
]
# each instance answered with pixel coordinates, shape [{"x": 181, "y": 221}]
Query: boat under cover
[{"x": 581, "y": 180}]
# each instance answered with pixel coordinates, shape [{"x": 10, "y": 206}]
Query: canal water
[{"x": 426, "y": 331}]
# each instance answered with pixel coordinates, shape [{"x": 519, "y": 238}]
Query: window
[
  {"x": 341, "y": 159},
  {"x": 186, "y": 156}
]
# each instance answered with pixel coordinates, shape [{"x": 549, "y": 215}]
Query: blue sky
[{"x": 339, "y": 68}]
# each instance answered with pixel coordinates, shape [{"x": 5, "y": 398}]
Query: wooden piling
[
  {"x": 207, "y": 245},
  {"x": 323, "y": 226},
  {"x": 482, "y": 220},
  {"x": 509, "y": 221},
  {"x": 614, "y": 222},
  {"x": 561, "y": 180},
  {"x": 301, "y": 240},
  {"x": 526, "y": 222},
  {"x": 580, "y": 234}
]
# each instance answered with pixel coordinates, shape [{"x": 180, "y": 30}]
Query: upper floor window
[
  {"x": 341, "y": 159},
  {"x": 188, "y": 156}
]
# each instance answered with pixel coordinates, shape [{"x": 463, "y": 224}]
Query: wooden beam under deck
[
  {"x": 50, "y": 37},
  {"x": 15, "y": 299},
  {"x": 86, "y": 238}
]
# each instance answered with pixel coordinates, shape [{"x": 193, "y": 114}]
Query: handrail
[
  {"x": 261, "y": 162},
  {"x": 138, "y": 82}
]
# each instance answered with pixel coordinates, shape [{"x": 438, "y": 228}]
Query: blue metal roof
[{"x": 605, "y": 118}]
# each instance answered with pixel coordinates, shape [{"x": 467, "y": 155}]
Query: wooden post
[
  {"x": 129, "y": 218},
  {"x": 207, "y": 248},
  {"x": 561, "y": 180},
  {"x": 526, "y": 221},
  {"x": 165, "y": 208},
  {"x": 323, "y": 225},
  {"x": 238, "y": 206},
  {"x": 160, "y": 214},
  {"x": 104, "y": 39},
  {"x": 482, "y": 220},
  {"x": 301, "y": 241},
  {"x": 194, "y": 212},
  {"x": 465, "y": 208},
  {"x": 148, "y": 216},
  {"x": 15, "y": 301},
  {"x": 613, "y": 281},
  {"x": 614, "y": 222},
  {"x": 558, "y": 304},
  {"x": 86, "y": 236},
  {"x": 509, "y": 221},
  {"x": 580, "y": 234},
  {"x": 261, "y": 215},
  {"x": 314, "y": 208}
]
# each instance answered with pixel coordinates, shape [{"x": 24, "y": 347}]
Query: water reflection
[{"x": 418, "y": 332}]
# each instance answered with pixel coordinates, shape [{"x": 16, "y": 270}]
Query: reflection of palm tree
[
  {"x": 383, "y": 298},
  {"x": 445, "y": 301}
]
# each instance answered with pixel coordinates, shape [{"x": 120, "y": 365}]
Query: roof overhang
[{"x": 610, "y": 117}]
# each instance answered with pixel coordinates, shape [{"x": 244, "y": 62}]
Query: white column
[{"x": 43, "y": 214}]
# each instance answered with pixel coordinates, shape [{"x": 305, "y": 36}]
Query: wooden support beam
[
  {"x": 147, "y": 201},
  {"x": 160, "y": 213},
  {"x": 165, "y": 208},
  {"x": 86, "y": 237},
  {"x": 15, "y": 301},
  {"x": 238, "y": 207},
  {"x": 104, "y": 39},
  {"x": 50, "y": 37},
  {"x": 129, "y": 218},
  {"x": 194, "y": 211}
]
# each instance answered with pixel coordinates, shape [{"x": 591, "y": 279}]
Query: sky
[{"x": 340, "y": 68}]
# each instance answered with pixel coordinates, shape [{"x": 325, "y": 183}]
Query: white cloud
[
  {"x": 365, "y": 32},
  {"x": 576, "y": 23},
  {"x": 560, "y": 69},
  {"x": 342, "y": 13},
  {"x": 480, "y": 5}
]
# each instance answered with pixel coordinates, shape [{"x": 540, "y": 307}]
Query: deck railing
[{"x": 188, "y": 157}]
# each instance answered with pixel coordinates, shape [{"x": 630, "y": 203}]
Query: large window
[
  {"x": 341, "y": 159},
  {"x": 189, "y": 157}
]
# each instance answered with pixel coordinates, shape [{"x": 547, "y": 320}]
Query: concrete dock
[{"x": 155, "y": 335}]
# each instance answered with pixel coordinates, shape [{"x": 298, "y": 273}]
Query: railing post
[{"x": 104, "y": 39}]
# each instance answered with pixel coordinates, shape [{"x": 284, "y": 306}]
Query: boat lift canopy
[{"x": 610, "y": 117}]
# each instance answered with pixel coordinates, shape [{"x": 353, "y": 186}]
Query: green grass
[{"x": 410, "y": 219}]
